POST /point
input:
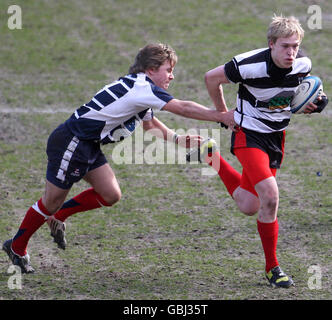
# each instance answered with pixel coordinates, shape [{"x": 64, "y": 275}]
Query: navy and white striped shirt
[
  {"x": 117, "y": 109},
  {"x": 265, "y": 90}
]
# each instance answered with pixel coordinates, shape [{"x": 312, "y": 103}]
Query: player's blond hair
[
  {"x": 284, "y": 27},
  {"x": 153, "y": 56}
]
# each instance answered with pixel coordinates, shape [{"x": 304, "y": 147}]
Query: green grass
[{"x": 175, "y": 234}]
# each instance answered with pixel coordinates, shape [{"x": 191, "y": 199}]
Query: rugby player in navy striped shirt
[{"x": 74, "y": 152}]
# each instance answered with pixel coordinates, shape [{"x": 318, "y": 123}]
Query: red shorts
[
  {"x": 256, "y": 167},
  {"x": 260, "y": 155},
  {"x": 271, "y": 143}
]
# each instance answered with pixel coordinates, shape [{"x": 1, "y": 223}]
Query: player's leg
[
  {"x": 105, "y": 184},
  {"x": 105, "y": 191},
  {"x": 54, "y": 197},
  {"x": 268, "y": 229},
  {"x": 246, "y": 197},
  {"x": 268, "y": 193},
  {"x": 37, "y": 215},
  {"x": 259, "y": 179},
  {"x": 34, "y": 218},
  {"x": 256, "y": 165},
  {"x": 242, "y": 187},
  {"x": 236, "y": 184},
  {"x": 55, "y": 193}
]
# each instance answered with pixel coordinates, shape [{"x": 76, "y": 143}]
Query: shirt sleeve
[
  {"x": 161, "y": 94},
  {"x": 154, "y": 97},
  {"x": 232, "y": 72}
]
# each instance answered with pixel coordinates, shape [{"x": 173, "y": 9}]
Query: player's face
[
  {"x": 284, "y": 51},
  {"x": 163, "y": 75}
]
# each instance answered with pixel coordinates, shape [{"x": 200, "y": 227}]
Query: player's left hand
[
  {"x": 189, "y": 141},
  {"x": 311, "y": 107},
  {"x": 318, "y": 106}
]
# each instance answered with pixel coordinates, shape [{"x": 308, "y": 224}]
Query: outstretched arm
[
  {"x": 193, "y": 110},
  {"x": 158, "y": 129}
]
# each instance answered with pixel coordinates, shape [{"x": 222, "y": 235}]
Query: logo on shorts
[{"x": 76, "y": 173}]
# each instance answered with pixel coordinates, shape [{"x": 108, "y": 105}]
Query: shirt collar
[
  {"x": 274, "y": 71},
  {"x": 142, "y": 74}
]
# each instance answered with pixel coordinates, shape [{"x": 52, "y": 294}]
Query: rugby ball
[{"x": 307, "y": 92}]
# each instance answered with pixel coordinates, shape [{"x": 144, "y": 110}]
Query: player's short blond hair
[
  {"x": 153, "y": 56},
  {"x": 284, "y": 27}
]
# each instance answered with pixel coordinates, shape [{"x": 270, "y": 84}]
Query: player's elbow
[
  {"x": 211, "y": 81},
  {"x": 208, "y": 79},
  {"x": 215, "y": 77}
]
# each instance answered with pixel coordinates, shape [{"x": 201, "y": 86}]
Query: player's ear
[
  {"x": 151, "y": 70},
  {"x": 270, "y": 43}
]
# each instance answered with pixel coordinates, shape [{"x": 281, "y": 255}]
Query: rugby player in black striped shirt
[{"x": 267, "y": 78}]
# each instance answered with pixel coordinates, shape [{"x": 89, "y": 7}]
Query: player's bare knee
[
  {"x": 250, "y": 210},
  {"x": 117, "y": 196},
  {"x": 269, "y": 198},
  {"x": 268, "y": 209},
  {"x": 247, "y": 203},
  {"x": 271, "y": 201},
  {"x": 112, "y": 197}
]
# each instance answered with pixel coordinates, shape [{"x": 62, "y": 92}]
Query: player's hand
[
  {"x": 228, "y": 121},
  {"x": 318, "y": 105},
  {"x": 189, "y": 141},
  {"x": 311, "y": 107}
]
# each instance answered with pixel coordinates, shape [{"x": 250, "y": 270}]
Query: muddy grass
[{"x": 176, "y": 234}]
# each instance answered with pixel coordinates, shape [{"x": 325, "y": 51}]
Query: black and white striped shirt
[
  {"x": 117, "y": 109},
  {"x": 265, "y": 90}
]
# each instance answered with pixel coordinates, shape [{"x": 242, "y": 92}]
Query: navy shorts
[{"x": 69, "y": 159}]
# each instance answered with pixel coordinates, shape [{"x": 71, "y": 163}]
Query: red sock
[
  {"x": 87, "y": 200},
  {"x": 269, "y": 237},
  {"x": 33, "y": 220},
  {"x": 229, "y": 176}
]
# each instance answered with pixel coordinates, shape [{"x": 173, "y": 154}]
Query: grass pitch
[{"x": 175, "y": 234}]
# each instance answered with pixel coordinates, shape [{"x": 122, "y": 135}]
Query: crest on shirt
[{"x": 281, "y": 101}]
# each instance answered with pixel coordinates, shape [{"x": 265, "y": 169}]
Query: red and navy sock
[
  {"x": 87, "y": 200},
  {"x": 33, "y": 220},
  {"x": 269, "y": 237}
]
